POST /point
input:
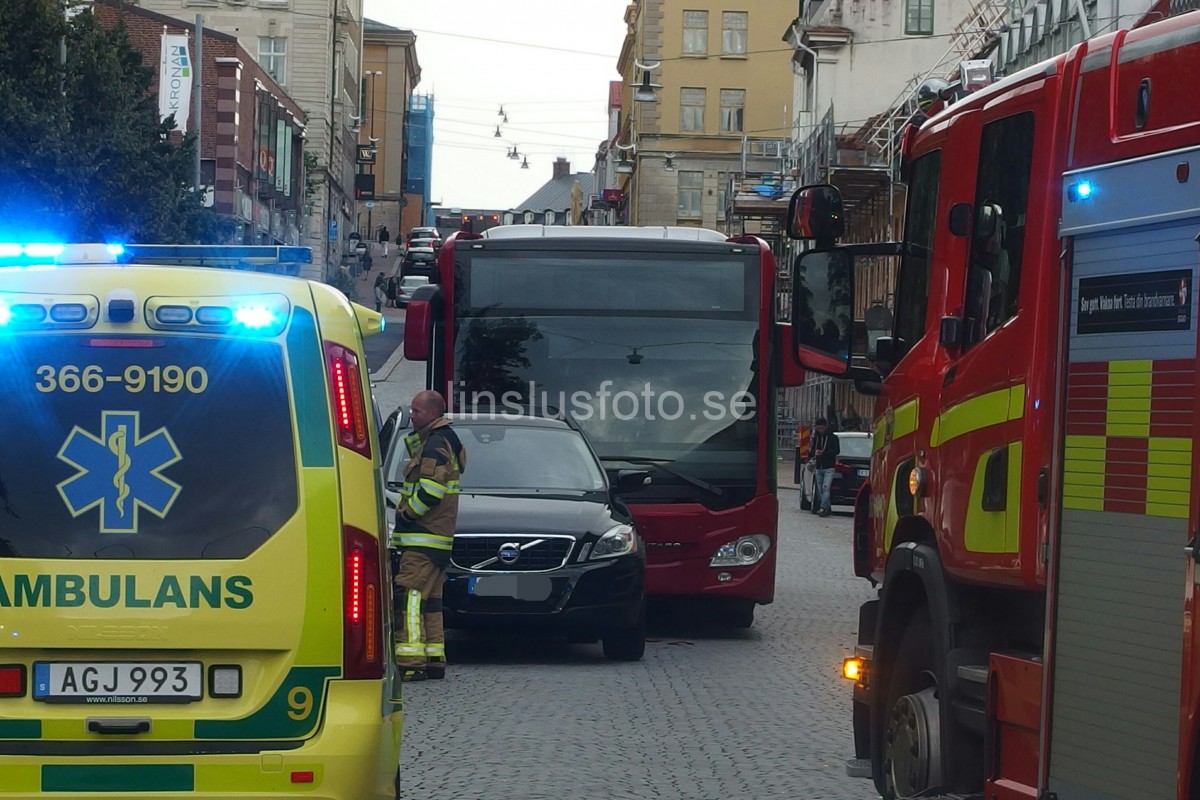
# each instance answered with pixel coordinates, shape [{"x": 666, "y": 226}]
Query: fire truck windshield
[{"x": 655, "y": 359}]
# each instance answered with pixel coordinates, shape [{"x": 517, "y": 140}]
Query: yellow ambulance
[{"x": 193, "y": 575}]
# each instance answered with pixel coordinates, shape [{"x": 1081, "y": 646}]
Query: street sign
[
  {"x": 366, "y": 154},
  {"x": 333, "y": 230},
  {"x": 370, "y": 205}
]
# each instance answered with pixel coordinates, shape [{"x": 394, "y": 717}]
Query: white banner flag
[{"x": 175, "y": 80}]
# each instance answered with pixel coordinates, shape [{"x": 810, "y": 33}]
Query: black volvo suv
[{"x": 542, "y": 538}]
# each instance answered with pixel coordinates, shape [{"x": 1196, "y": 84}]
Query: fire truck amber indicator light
[{"x": 853, "y": 669}]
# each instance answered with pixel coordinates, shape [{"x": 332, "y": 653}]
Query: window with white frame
[
  {"x": 691, "y": 188},
  {"x": 549, "y": 217},
  {"x": 918, "y": 17},
  {"x": 695, "y": 33},
  {"x": 529, "y": 217},
  {"x": 691, "y": 109},
  {"x": 733, "y": 32},
  {"x": 508, "y": 218},
  {"x": 272, "y": 56},
  {"x": 733, "y": 108}
]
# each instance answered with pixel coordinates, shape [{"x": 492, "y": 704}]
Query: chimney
[{"x": 562, "y": 168}]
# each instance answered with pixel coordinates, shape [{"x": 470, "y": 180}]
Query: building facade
[
  {"x": 390, "y": 73},
  {"x": 418, "y": 174},
  {"x": 313, "y": 50},
  {"x": 719, "y": 104},
  {"x": 251, "y": 143}
]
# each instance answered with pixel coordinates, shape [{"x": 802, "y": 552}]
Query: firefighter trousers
[{"x": 417, "y": 599}]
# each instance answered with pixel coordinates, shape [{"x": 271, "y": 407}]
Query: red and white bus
[{"x": 662, "y": 344}]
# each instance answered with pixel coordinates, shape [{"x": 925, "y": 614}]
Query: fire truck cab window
[
  {"x": 1001, "y": 202},
  {"x": 912, "y": 294}
]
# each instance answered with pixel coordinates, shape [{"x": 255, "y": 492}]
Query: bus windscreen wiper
[{"x": 664, "y": 464}]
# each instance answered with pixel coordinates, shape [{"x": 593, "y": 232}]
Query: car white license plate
[
  {"x": 102, "y": 682},
  {"x": 864, "y": 473},
  {"x": 522, "y": 587}
]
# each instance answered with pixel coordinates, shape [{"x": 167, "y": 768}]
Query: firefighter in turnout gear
[{"x": 424, "y": 536}]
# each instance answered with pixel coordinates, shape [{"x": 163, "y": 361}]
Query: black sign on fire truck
[{"x": 1135, "y": 302}]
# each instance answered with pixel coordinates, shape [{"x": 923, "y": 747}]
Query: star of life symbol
[{"x": 119, "y": 471}]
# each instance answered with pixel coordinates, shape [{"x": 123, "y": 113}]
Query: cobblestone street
[{"x": 707, "y": 715}]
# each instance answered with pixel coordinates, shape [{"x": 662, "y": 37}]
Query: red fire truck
[
  {"x": 661, "y": 342},
  {"x": 1031, "y": 519}
]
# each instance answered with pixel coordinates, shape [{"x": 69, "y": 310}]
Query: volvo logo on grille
[{"x": 509, "y": 552}]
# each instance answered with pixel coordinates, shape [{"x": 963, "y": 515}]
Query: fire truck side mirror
[
  {"x": 987, "y": 221},
  {"x": 815, "y": 213},
  {"x": 823, "y": 309}
]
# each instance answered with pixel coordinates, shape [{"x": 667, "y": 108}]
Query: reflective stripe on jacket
[{"x": 428, "y": 509}]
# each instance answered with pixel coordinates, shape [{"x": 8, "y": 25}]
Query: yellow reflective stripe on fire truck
[
  {"x": 1105, "y": 472},
  {"x": 896, "y": 423},
  {"x": 1130, "y": 385},
  {"x": 978, "y": 413},
  {"x": 995, "y": 531}
]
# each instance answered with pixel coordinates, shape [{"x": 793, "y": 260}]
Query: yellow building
[
  {"x": 390, "y": 73},
  {"x": 723, "y": 105}
]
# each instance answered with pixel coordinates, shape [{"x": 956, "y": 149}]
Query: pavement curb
[{"x": 390, "y": 365}]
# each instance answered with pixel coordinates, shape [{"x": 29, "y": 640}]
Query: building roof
[
  {"x": 555, "y": 194},
  {"x": 371, "y": 26}
]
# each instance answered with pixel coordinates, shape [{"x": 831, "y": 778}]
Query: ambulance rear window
[{"x": 168, "y": 447}]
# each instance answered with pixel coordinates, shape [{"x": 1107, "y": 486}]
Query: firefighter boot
[{"x": 435, "y": 670}]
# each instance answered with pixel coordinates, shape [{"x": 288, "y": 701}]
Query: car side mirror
[
  {"x": 630, "y": 480},
  {"x": 398, "y": 420}
]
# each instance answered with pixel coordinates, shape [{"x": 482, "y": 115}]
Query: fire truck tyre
[
  {"x": 912, "y": 742},
  {"x": 626, "y": 644}
]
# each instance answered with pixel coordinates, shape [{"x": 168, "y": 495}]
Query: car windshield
[
  {"x": 520, "y": 457},
  {"x": 855, "y": 446},
  {"x": 413, "y": 281},
  {"x": 419, "y": 255}
]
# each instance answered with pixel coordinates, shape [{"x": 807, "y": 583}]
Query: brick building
[{"x": 252, "y": 132}]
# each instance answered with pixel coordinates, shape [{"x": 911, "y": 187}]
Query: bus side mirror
[
  {"x": 823, "y": 309},
  {"x": 418, "y": 323},
  {"x": 815, "y": 212}
]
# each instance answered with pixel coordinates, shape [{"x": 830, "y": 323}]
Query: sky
[{"x": 547, "y": 62}]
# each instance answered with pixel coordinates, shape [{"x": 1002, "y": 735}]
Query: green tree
[{"x": 83, "y": 153}]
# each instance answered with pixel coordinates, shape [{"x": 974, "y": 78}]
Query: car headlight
[
  {"x": 742, "y": 552},
  {"x": 618, "y": 540}
]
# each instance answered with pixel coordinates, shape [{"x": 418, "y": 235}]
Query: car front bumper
[{"x": 601, "y": 594}]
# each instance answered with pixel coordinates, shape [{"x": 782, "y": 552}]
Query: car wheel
[
  {"x": 805, "y": 501},
  {"x": 815, "y": 505},
  {"x": 626, "y": 644}
]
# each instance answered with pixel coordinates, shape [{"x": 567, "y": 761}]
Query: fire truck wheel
[{"x": 912, "y": 745}]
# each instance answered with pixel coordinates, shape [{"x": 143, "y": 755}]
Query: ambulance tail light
[
  {"x": 349, "y": 406},
  {"x": 12, "y": 680},
  {"x": 363, "y": 650}
]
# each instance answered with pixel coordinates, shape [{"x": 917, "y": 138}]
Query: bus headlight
[{"x": 742, "y": 552}]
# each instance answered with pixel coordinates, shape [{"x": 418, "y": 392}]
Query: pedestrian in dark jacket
[
  {"x": 380, "y": 291},
  {"x": 392, "y": 285},
  {"x": 825, "y": 451},
  {"x": 385, "y": 236}
]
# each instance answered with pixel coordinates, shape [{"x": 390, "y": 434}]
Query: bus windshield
[{"x": 653, "y": 357}]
